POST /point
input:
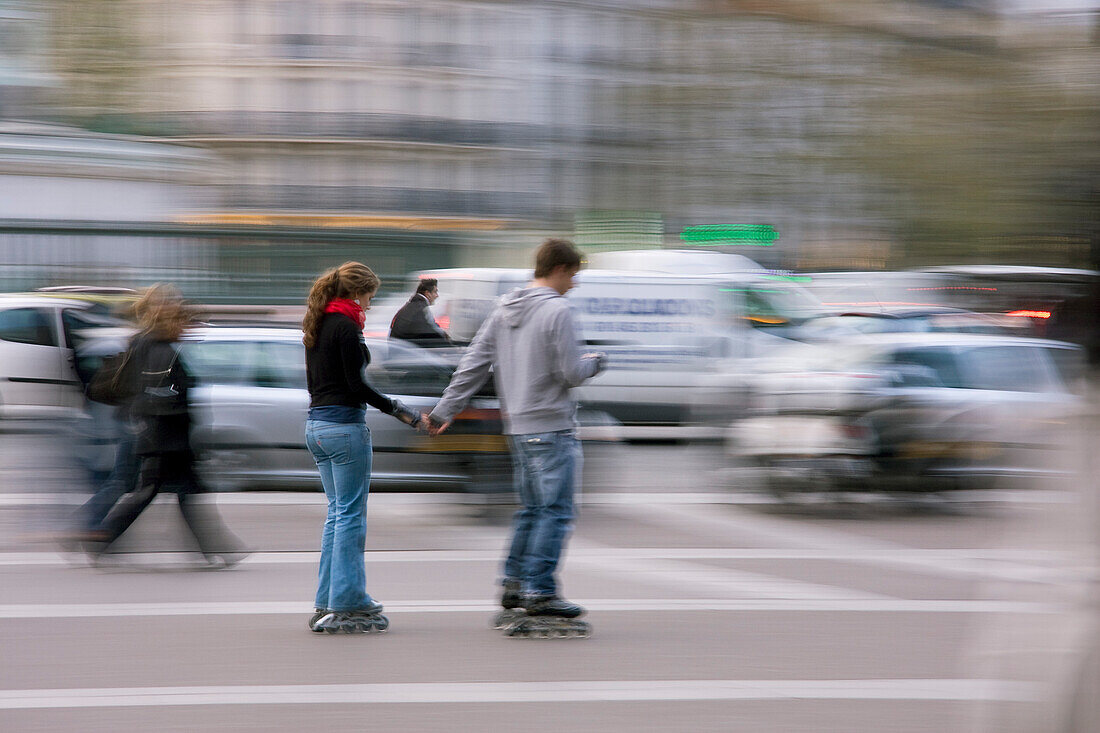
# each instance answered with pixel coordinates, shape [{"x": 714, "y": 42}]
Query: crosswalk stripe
[
  {"x": 293, "y": 557},
  {"x": 596, "y": 498},
  {"x": 523, "y": 692},
  {"x": 31, "y": 611},
  {"x": 1002, "y": 564}
]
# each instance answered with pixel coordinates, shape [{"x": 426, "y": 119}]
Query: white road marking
[
  {"x": 292, "y": 498},
  {"x": 520, "y": 692},
  {"x": 754, "y": 527},
  {"x": 609, "y": 605},
  {"x": 677, "y": 575},
  {"x": 634, "y": 553},
  {"x": 1017, "y": 565}
]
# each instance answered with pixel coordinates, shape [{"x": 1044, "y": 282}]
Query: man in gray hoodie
[{"x": 530, "y": 343}]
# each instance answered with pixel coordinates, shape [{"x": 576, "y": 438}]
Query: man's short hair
[
  {"x": 427, "y": 285},
  {"x": 554, "y": 253}
]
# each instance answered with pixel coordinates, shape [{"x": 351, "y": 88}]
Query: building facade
[{"x": 481, "y": 125}]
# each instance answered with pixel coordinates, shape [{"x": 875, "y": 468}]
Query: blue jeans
[
  {"x": 122, "y": 480},
  {"x": 342, "y": 452},
  {"x": 546, "y": 466}
]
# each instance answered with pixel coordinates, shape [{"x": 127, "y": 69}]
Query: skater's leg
[
  {"x": 350, "y": 449},
  {"x": 523, "y": 476},
  {"x": 324, "y": 468},
  {"x": 556, "y": 460},
  {"x": 346, "y": 450}
]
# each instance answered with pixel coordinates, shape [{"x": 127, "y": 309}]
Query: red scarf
[{"x": 349, "y": 308}]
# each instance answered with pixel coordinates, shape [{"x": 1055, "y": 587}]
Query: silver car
[
  {"x": 40, "y": 341},
  {"x": 913, "y": 412},
  {"x": 251, "y": 403}
]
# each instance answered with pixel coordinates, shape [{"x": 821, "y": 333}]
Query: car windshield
[{"x": 774, "y": 302}]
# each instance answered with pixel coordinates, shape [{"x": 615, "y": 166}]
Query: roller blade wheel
[
  {"x": 547, "y": 627},
  {"x": 506, "y": 617},
  {"x": 352, "y": 623},
  {"x": 318, "y": 614}
]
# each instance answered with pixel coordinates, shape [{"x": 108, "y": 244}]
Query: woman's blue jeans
[
  {"x": 546, "y": 467},
  {"x": 342, "y": 452}
]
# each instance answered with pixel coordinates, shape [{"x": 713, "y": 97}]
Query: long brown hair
[
  {"x": 349, "y": 280},
  {"x": 161, "y": 311}
]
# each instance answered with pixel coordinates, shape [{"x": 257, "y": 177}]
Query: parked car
[
  {"x": 913, "y": 412},
  {"x": 40, "y": 337},
  {"x": 251, "y": 401}
]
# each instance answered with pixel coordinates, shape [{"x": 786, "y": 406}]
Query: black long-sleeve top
[{"x": 334, "y": 367}]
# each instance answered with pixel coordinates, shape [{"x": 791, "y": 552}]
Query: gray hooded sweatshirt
[{"x": 531, "y": 344}]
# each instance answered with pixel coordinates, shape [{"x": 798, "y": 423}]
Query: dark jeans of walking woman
[{"x": 175, "y": 471}]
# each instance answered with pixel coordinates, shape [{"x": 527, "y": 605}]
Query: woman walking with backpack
[
  {"x": 161, "y": 414},
  {"x": 338, "y": 438}
]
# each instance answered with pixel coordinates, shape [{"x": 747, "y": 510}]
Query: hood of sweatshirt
[{"x": 516, "y": 304}]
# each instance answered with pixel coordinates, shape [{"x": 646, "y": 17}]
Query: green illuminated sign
[
  {"x": 713, "y": 235},
  {"x": 790, "y": 278}
]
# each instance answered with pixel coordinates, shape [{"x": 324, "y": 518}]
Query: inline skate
[
  {"x": 550, "y": 617},
  {"x": 360, "y": 621},
  {"x": 512, "y": 602}
]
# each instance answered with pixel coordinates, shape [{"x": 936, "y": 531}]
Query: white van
[
  {"x": 672, "y": 261},
  {"x": 661, "y": 331}
]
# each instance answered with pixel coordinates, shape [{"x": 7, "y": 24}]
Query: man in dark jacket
[{"x": 414, "y": 322}]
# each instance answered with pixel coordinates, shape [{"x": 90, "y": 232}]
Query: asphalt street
[{"x": 712, "y": 610}]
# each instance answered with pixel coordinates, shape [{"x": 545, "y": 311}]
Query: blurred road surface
[{"x": 710, "y": 612}]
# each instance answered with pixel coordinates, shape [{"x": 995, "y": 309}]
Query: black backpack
[{"x": 111, "y": 384}]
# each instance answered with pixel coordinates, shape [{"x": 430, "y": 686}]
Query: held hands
[
  {"x": 421, "y": 422},
  {"x": 600, "y": 357},
  {"x": 433, "y": 428}
]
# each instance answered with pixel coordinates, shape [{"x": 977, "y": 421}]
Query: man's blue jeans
[
  {"x": 546, "y": 467},
  {"x": 342, "y": 452}
]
